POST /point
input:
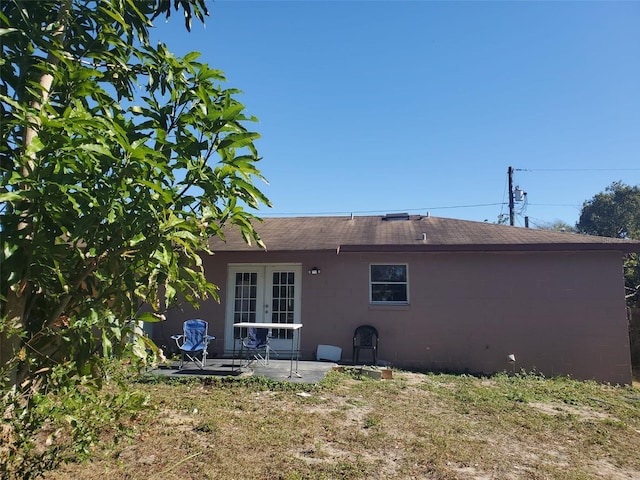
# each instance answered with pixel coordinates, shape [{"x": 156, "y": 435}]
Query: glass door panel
[
  {"x": 263, "y": 294},
  {"x": 283, "y": 291}
]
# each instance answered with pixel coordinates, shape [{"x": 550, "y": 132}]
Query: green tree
[
  {"x": 557, "y": 226},
  {"x": 616, "y": 213},
  {"x": 118, "y": 162},
  {"x": 612, "y": 213}
]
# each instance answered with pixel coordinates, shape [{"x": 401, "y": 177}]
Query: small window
[{"x": 388, "y": 284}]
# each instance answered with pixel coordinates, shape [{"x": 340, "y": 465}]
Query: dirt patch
[
  {"x": 609, "y": 471},
  {"x": 584, "y": 413},
  {"x": 413, "y": 426}
]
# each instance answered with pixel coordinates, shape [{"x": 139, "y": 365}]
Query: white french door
[{"x": 264, "y": 294}]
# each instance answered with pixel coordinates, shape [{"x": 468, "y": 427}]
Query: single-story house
[{"x": 444, "y": 294}]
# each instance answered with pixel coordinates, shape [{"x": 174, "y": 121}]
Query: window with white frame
[{"x": 388, "y": 284}]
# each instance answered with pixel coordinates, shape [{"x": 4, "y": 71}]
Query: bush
[{"x": 45, "y": 426}]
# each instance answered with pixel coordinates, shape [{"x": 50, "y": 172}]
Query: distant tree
[
  {"x": 118, "y": 162},
  {"x": 612, "y": 213},
  {"x": 616, "y": 213},
  {"x": 556, "y": 225}
]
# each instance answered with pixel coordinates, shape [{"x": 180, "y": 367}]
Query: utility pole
[{"x": 511, "y": 207}]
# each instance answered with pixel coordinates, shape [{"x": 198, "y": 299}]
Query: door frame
[{"x": 262, "y": 269}]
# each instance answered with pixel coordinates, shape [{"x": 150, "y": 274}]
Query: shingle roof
[{"x": 410, "y": 233}]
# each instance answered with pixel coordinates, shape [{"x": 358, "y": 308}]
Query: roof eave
[{"x": 495, "y": 247}]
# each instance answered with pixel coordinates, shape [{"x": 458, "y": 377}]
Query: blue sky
[{"x": 373, "y": 107}]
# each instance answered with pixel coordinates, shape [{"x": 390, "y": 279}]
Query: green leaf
[
  {"x": 34, "y": 147},
  {"x": 170, "y": 294},
  {"x": 95, "y": 147},
  {"x": 191, "y": 56},
  {"x": 139, "y": 349},
  {"x": 107, "y": 346},
  {"x": 150, "y": 317},
  {"x": 238, "y": 140},
  {"x": 139, "y": 238},
  {"x": 13, "y": 196}
]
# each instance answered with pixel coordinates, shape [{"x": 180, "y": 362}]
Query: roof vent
[{"x": 389, "y": 217}]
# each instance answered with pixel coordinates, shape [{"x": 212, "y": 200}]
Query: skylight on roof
[{"x": 389, "y": 217}]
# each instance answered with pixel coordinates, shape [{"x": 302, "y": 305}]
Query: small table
[{"x": 284, "y": 326}]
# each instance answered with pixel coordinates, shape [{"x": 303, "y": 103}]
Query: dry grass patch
[{"x": 414, "y": 426}]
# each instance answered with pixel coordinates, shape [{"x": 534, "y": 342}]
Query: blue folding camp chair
[
  {"x": 256, "y": 345},
  {"x": 193, "y": 342}
]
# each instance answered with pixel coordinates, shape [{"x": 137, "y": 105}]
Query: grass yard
[{"x": 420, "y": 426}]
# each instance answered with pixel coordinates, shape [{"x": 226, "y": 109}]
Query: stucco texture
[{"x": 558, "y": 313}]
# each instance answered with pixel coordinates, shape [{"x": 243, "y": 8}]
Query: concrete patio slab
[{"x": 308, "y": 371}]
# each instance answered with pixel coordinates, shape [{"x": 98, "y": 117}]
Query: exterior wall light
[{"x": 314, "y": 271}]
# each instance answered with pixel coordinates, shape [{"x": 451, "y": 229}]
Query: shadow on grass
[
  {"x": 220, "y": 373},
  {"x": 206, "y": 372}
]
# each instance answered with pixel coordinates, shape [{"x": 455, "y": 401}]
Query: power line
[
  {"x": 536, "y": 222},
  {"x": 578, "y": 169},
  {"x": 556, "y": 205}
]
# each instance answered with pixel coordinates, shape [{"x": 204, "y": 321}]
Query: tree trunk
[{"x": 10, "y": 341}]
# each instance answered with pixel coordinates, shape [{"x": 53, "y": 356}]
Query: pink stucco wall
[{"x": 558, "y": 313}]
